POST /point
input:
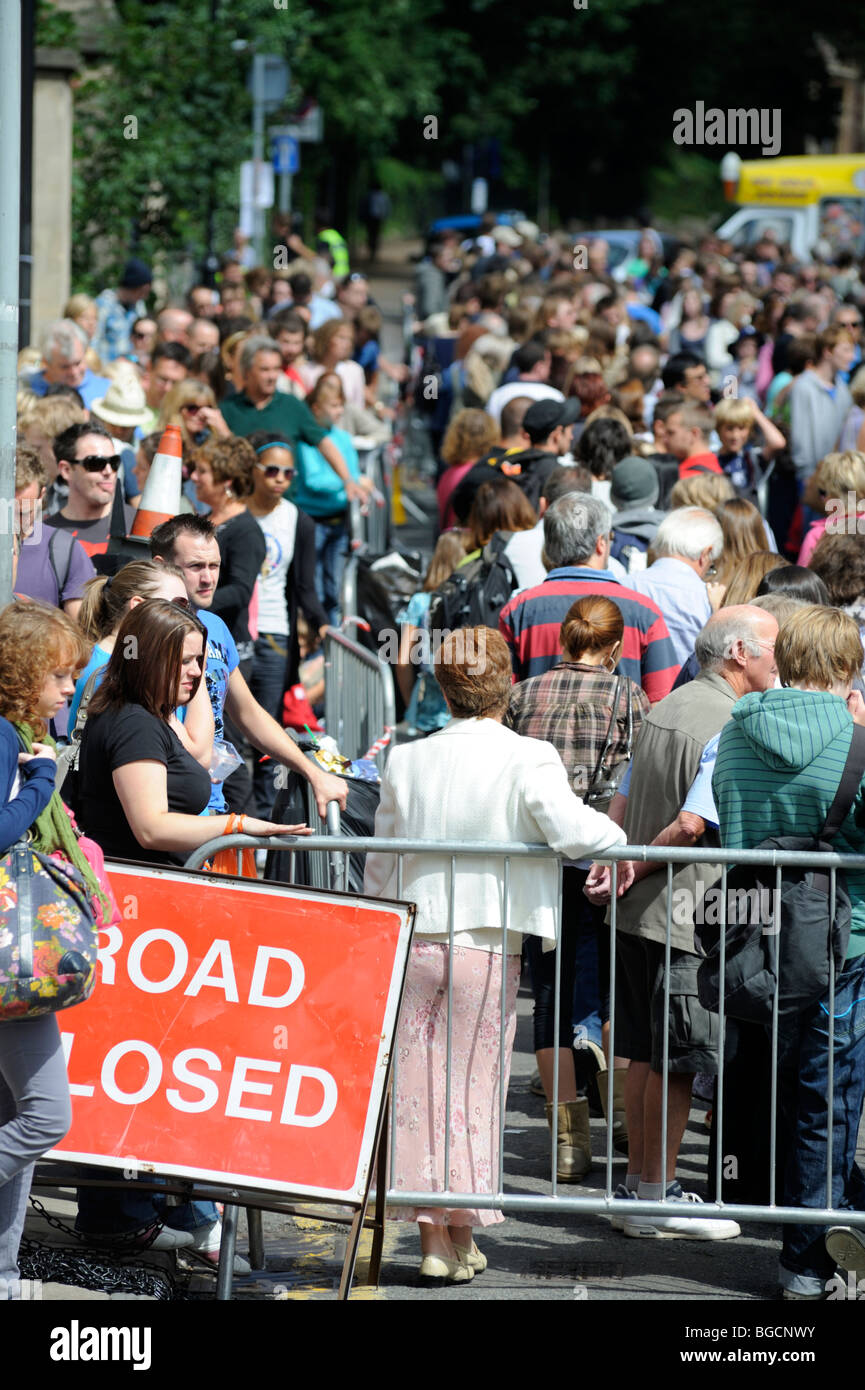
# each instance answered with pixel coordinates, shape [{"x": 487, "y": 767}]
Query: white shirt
[
  {"x": 280, "y": 530},
  {"x": 682, "y": 597}
]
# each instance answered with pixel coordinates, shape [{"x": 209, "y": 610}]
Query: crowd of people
[
  {"x": 653, "y": 473},
  {"x": 648, "y": 482}
]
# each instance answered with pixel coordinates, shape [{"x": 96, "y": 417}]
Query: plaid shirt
[{"x": 570, "y": 707}]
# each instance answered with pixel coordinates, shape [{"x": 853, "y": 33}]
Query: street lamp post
[{"x": 10, "y": 193}]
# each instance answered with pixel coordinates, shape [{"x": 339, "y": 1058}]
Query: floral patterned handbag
[{"x": 48, "y": 934}]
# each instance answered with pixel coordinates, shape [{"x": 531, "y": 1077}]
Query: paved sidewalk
[{"x": 536, "y": 1257}]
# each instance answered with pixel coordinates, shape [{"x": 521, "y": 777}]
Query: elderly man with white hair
[
  {"x": 63, "y": 345},
  {"x": 686, "y": 544}
]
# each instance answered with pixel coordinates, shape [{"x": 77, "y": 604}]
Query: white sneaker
[
  {"x": 622, "y": 1193},
  {"x": 681, "y": 1227},
  {"x": 206, "y": 1241}
]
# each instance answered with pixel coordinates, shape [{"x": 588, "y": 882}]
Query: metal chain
[
  {"x": 104, "y": 1266},
  {"x": 56, "y": 1264}
]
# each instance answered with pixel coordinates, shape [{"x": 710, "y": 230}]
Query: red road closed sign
[{"x": 239, "y": 1032}]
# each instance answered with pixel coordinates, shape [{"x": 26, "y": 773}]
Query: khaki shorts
[{"x": 693, "y": 1030}]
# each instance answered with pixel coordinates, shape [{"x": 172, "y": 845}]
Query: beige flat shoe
[
  {"x": 436, "y": 1269},
  {"x": 471, "y": 1257}
]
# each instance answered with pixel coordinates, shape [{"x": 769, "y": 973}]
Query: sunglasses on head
[
  {"x": 274, "y": 470},
  {"x": 95, "y": 463}
]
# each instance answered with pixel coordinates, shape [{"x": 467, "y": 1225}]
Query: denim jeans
[
  {"x": 110, "y": 1211},
  {"x": 330, "y": 548},
  {"x": 35, "y": 1114},
  {"x": 584, "y": 999},
  {"x": 267, "y": 683},
  {"x": 803, "y": 1070}
]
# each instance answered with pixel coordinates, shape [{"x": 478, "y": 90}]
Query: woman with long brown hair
[
  {"x": 499, "y": 505},
  {"x": 142, "y": 796},
  {"x": 744, "y": 532},
  {"x": 141, "y": 792},
  {"x": 746, "y": 578}
]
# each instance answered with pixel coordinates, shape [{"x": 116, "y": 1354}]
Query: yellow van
[{"x": 813, "y": 203}]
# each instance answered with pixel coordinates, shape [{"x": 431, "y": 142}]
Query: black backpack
[
  {"x": 784, "y": 935},
  {"x": 476, "y": 593}
]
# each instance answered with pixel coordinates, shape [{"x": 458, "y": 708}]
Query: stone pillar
[{"x": 52, "y": 184}]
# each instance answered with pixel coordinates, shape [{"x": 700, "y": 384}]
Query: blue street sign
[{"x": 286, "y": 154}]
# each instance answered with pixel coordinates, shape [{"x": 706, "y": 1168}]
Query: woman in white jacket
[{"x": 473, "y": 780}]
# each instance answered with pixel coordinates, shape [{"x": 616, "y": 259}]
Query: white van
[{"x": 811, "y": 203}]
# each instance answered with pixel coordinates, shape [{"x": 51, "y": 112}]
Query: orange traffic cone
[{"x": 160, "y": 499}]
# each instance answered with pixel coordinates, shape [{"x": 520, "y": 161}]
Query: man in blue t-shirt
[{"x": 189, "y": 542}]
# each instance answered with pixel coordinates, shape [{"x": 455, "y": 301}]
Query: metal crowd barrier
[
  {"x": 359, "y": 698},
  {"x": 599, "y": 1203},
  {"x": 369, "y": 521}
]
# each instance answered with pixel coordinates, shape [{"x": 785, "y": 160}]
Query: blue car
[{"x": 469, "y": 222}]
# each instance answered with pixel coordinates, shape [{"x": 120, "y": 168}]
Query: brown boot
[
  {"x": 620, "y": 1124},
  {"x": 574, "y": 1150}
]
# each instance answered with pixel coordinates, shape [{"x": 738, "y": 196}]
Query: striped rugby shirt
[{"x": 531, "y": 620}]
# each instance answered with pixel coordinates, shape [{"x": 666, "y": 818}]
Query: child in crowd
[{"x": 747, "y": 465}]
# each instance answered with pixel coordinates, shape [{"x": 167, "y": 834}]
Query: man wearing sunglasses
[{"x": 88, "y": 460}]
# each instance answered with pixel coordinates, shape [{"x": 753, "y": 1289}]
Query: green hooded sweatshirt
[{"x": 780, "y": 761}]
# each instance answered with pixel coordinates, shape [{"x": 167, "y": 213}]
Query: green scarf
[{"x": 52, "y": 829}]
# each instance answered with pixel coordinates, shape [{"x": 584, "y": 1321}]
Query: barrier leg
[
  {"x": 225, "y": 1271},
  {"x": 350, "y": 1260},
  {"x": 256, "y": 1237},
  {"x": 380, "y": 1211}
]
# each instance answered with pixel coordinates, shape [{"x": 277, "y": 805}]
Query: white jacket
[{"x": 476, "y": 780}]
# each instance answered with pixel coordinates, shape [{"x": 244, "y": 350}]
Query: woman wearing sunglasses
[
  {"x": 192, "y": 405},
  {"x": 286, "y": 584},
  {"x": 87, "y": 459},
  {"x": 105, "y": 604}
]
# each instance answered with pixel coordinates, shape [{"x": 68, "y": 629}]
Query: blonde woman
[
  {"x": 837, "y": 487},
  {"x": 426, "y": 709},
  {"x": 191, "y": 404},
  {"x": 106, "y": 602},
  {"x": 84, "y": 311},
  {"x": 707, "y": 490}
]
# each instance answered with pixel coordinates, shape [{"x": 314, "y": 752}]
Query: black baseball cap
[{"x": 545, "y": 416}]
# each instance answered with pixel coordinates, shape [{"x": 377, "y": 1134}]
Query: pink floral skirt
[{"x": 419, "y": 1090}]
